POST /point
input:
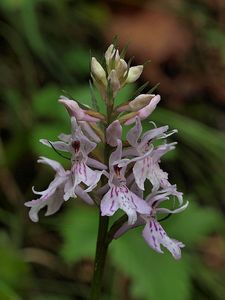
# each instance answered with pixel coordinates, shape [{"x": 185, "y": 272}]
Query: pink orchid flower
[
  {"x": 79, "y": 146},
  {"x": 146, "y": 157},
  {"x": 53, "y": 196},
  {"x": 153, "y": 232},
  {"x": 118, "y": 195}
]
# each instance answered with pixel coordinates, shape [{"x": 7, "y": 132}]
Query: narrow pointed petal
[
  {"x": 125, "y": 227},
  {"x": 113, "y": 133},
  {"x": 136, "y": 190},
  {"x": 61, "y": 146},
  {"x": 86, "y": 128},
  {"x": 140, "y": 171},
  {"x": 66, "y": 138},
  {"x": 173, "y": 211},
  {"x": 53, "y": 164},
  {"x": 74, "y": 110},
  {"x": 116, "y": 155},
  {"x": 152, "y": 134},
  {"x": 91, "y": 162},
  {"x": 86, "y": 145},
  {"x": 134, "y": 133},
  {"x": 162, "y": 150},
  {"x": 83, "y": 195},
  {"x": 141, "y": 206}
]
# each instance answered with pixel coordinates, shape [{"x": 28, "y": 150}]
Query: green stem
[
  {"x": 100, "y": 258},
  {"x": 102, "y": 239},
  {"x": 115, "y": 227}
]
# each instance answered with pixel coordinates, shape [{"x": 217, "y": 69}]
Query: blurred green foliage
[{"x": 45, "y": 53}]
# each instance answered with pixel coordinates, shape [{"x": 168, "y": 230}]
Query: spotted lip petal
[
  {"x": 121, "y": 197},
  {"x": 155, "y": 236},
  {"x": 81, "y": 173}
]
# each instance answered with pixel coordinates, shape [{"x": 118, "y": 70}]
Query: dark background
[{"x": 45, "y": 52}]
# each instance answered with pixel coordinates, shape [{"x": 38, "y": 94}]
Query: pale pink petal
[
  {"x": 53, "y": 164},
  {"x": 74, "y": 110},
  {"x": 144, "y": 112},
  {"x": 152, "y": 134},
  {"x": 130, "y": 151},
  {"x": 140, "y": 171},
  {"x": 113, "y": 133},
  {"x": 82, "y": 173},
  {"x": 109, "y": 204},
  {"x": 125, "y": 227},
  {"x": 127, "y": 204},
  {"x": 131, "y": 203},
  {"x": 61, "y": 146},
  {"x": 141, "y": 206},
  {"x": 120, "y": 197},
  {"x": 134, "y": 133},
  {"x": 116, "y": 155},
  {"x": 148, "y": 109},
  {"x": 83, "y": 195},
  {"x": 156, "y": 176},
  {"x": 69, "y": 190},
  {"x": 86, "y": 128},
  {"x": 96, "y": 164},
  {"x": 155, "y": 236},
  {"x": 125, "y": 161},
  {"x": 86, "y": 145},
  {"x": 136, "y": 190},
  {"x": 172, "y": 190},
  {"x": 51, "y": 188},
  {"x": 172, "y": 211},
  {"x": 161, "y": 150},
  {"x": 66, "y": 138},
  {"x": 53, "y": 200}
]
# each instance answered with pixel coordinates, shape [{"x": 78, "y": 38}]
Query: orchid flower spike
[{"x": 111, "y": 168}]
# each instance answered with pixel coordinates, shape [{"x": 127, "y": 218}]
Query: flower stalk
[{"x": 122, "y": 186}]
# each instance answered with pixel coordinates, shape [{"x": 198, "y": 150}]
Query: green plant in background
[{"x": 30, "y": 87}]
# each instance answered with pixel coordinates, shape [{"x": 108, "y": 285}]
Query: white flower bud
[
  {"x": 98, "y": 72},
  {"x": 134, "y": 73},
  {"x": 114, "y": 81},
  {"x": 121, "y": 68},
  {"x": 140, "y": 101},
  {"x": 109, "y": 53}
]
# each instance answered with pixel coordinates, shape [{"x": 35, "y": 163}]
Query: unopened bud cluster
[{"x": 115, "y": 175}]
